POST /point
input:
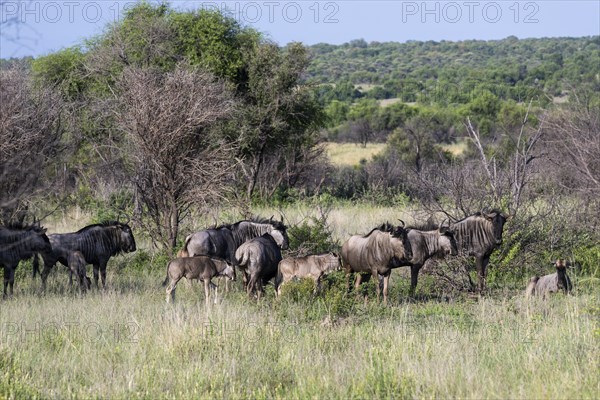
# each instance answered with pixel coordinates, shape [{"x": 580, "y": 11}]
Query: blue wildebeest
[
  {"x": 97, "y": 243},
  {"x": 478, "y": 235},
  {"x": 313, "y": 267},
  {"x": 203, "y": 268},
  {"x": 542, "y": 286},
  {"x": 224, "y": 240},
  {"x": 18, "y": 242},
  {"x": 377, "y": 252},
  {"x": 428, "y": 243},
  {"x": 258, "y": 259}
]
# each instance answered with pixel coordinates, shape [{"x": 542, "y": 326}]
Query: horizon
[{"x": 35, "y": 28}]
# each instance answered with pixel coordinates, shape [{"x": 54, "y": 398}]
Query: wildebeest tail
[
  {"x": 167, "y": 277},
  {"x": 531, "y": 286},
  {"x": 241, "y": 258},
  {"x": 278, "y": 278},
  {"x": 183, "y": 252}
]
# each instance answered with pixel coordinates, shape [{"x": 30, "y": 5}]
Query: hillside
[{"x": 402, "y": 68}]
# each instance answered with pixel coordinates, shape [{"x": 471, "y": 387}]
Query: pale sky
[{"x": 49, "y": 25}]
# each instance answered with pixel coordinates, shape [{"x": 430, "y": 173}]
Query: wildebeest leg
[
  {"x": 318, "y": 285},
  {"x": 171, "y": 290},
  {"x": 45, "y": 272},
  {"x": 386, "y": 280},
  {"x": 206, "y": 291},
  {"x": 250, "y": 285},
  {"x": 481, "y": 266},
  {"x": 103, "y": 274},
  {"x": 96, "y": 275},
  {"x": 7, "y": 273},
  {"x": 377, "y": 287},
  {"x": 414, "y": 277}
]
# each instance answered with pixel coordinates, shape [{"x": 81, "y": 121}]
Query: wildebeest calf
[
  {"x": 313, "y": 267},
  {"x": 542, "y": 286},
  {"x": 203, "y": 268}
]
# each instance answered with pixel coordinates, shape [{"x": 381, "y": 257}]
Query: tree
[
  {"x": 279, "y": 119},
  {"x": 176, "y": 158},
  {"x": 574, "y": 140},
  {"x": 31, "y": 128}
]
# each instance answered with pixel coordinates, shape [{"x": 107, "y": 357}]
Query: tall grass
[{"x": 126, "y": 342}]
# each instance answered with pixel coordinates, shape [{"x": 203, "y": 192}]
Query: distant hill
[{"x": 402, "y": 68}]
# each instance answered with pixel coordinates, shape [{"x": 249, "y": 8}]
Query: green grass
[
  {"x": 126, "y": 342},
  {"x": 349, "y": 154}
]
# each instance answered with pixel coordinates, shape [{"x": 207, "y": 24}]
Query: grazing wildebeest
[
  {"x": 542, "y": 286},
  {"x": 258, "y": 259},
  {"x": 97, "y": 243},
  {"x": 224, "y": 240},
  {"x": 426, "y": 244},
  {"x": 478, "y": 235},
  {"x": 377, "y": 252},
  {"x": 76, "y": 264},
  {"x": 203, "y": 268},
  {"x": 19, "y": 242},
  {"x": 313, "y": 267}
]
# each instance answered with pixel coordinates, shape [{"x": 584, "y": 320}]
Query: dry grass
[
  {"x": 126, "y": 342},
  {"x": 349, "y": 154},
  {"x": 457, "y": 148}
]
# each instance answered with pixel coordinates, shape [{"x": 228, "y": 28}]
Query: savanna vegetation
[{"x": 183, "y": 120}]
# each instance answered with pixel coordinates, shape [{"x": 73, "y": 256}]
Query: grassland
[
  {"x": 126, "y": 342},
  {"x": 349, "y": 154}
]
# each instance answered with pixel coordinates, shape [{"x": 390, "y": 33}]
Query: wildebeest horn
[{"x": 402, "y": 222}]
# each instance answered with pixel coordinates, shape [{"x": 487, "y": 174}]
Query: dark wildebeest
[
  {"x": 19, "y": 242},
  {"x": 377, "y": 252},
  {"x": 313, "y": 267},
  {"x": 224, "y": 240},
  {"x": 203, "y": 268},
  {"x": 97, "y": 243},
  {"x": 478, "y": 235},
  {"x": 258, "y": 259},
  {"x": 542, "y": 286}
]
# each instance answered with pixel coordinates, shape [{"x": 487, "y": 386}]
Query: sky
[{"x": 38, "y": 27}]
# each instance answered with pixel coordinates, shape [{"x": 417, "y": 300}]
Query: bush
[{"x": 312, "y": 237}]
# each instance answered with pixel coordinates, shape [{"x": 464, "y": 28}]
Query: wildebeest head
[
  {"x": 126, "y": 239},
  {"x": 279, "y": 233},
  {"x": 39, "y": 242},
  {"x": 497, "y": 219},
  {"x": 334, "y": 262},
  {"x": 229, "y": 271},
  {"x": 561, "y": 264},
  {"x": 447, "y": 241},
  {"x": 400, "y": 233}
]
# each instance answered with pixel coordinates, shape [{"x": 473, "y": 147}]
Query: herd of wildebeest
[{"x": 254, "y": 247}]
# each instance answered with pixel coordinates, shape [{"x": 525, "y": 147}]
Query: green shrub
[{"x": 312, "y": 237}]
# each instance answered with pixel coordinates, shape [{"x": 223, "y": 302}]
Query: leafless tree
[
  {"x": 13, "y": 26},
  {"x": 31, "y": 128},
  {"x": 176, "y": 158},
  {"x": 574, "y": 137}
]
